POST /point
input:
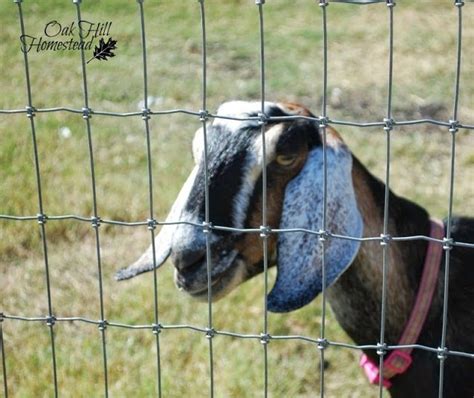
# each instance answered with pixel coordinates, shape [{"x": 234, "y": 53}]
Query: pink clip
[
  {"x": 371, "y": 370},
  {"x": 398, "y": 361}
]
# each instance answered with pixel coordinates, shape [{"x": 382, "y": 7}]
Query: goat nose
[{"x": 184, "y": 259}]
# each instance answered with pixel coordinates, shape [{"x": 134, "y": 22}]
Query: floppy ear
[
  {"x": 164, "y": 238},
  {"x": 299, "y": 277}
]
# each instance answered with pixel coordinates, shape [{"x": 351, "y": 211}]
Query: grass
[{"x": 424, "y": 68}]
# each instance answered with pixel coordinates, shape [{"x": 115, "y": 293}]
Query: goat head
[{"x": 295, "y": 200}]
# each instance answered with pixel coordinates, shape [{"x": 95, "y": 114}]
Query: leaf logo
[{"x": 104, "y": 50}]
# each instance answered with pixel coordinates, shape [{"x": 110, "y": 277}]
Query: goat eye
[{"x": 286, "y": 160}]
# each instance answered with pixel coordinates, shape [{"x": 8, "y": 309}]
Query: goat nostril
[{"x": 185, "y": 259}]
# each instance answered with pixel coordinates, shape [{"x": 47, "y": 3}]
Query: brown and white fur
[{"x": 355, "y": 208}]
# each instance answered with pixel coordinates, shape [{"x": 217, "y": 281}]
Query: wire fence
[{"x": 387, "y": 123}]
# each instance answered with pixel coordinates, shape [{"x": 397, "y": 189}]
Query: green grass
[{"x": 424, "y": 67}]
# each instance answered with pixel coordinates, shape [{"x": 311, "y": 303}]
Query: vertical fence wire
[
  {"x": 151, "y": 219},
  {"x": 448, "y": 246},
  {"x": 322, "y": 238},
  {"x": 95, "y": 220},
  {"x": 4, "y": 361},
  {"x": 264, "y": 228},
  {"x": 386, "y": 216},
  {"x": 207, "y": 224},
  {"x": 41, "y": 215}
]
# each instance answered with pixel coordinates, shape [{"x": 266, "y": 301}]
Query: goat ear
[
  {"x": 163, "y": 240},
  {"x": 299, "y": 278}
]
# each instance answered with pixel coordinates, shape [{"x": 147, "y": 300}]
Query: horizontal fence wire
[
  {"x": 210, "y": 116},
  {"x": 387, "y": 123},
  {"x": 153, "y": 223},
  {"x": 227, "y": 333}
]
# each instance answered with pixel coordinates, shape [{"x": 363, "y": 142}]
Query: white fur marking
[{"x": 198, "y": 145}]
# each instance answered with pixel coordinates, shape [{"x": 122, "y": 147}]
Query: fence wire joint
[
  {"x": 30, "y": 111},
  {"x": 146, "y": 112},
  {"x": 459, "y": 3},
  {"x": 323, "y": 3},
  {"x": 203, "y": 115},
  {"x": 323, "y": 121},
  {"x": 262, "y": 118},
  {"x": 50, "y": 320},
  {"x": 265, "y": 338},
  {"x": 42, "y": 218},
  {"x": 391, "y": 3},
  {"x": 86, "y": 113},
  {"x": 206, "y": 227},
  {"x": 453, "y": 126},
  {"x": 102, "y": 325},
  {"x": 323, "y": 344},
  {"x": 156, "y": 328},
  {"x": 381, "y": 349},
  {"x": 385, "y": 239},
  {"x": 265, "y": 231},
  {"x": 210, "y": 333},
  {"x": 389, "y": 123},
  {"x": 323, "y": 235},
  {"x": 442, "y": 353},
  {"x": 447, "y": 243},
  {"x": 151, "y": 224},
  {"x": 95, "y": 222}
]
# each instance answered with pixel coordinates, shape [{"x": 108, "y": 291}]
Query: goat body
[{"x": 355, "y": 203}]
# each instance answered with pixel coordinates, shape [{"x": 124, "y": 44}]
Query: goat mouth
[
  {"x": 195, "y": 281},
  {"x": 202, "y": 293}
]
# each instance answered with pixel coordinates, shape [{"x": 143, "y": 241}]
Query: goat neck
[{"x": 356, "y": 296}]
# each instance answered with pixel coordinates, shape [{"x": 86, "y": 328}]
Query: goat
[{"x": 355, "y": 207}]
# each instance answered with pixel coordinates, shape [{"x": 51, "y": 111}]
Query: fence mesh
[{"x": 387, "y": 123}]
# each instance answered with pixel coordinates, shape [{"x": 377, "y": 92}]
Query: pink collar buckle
[
  {"x": 372, "y": 371},
  {"x": 397, "y": 362}
]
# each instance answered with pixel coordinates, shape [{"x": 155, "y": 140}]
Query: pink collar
[{"x": 399, "y": 360}]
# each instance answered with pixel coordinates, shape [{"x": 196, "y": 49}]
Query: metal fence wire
[{"x": 386, "y": 123}]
